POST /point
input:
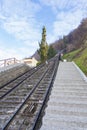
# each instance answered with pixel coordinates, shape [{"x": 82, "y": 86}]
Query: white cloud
[
  {"x": 19, "y": 53},
  {"x": 66, "y": 22},
  {"x": 21, "y": 8},
  {"x": 68, "y": 13},
  {"x": 26, "y": 51},
  {"x": 18, "y": 19},
  {"x": 9, "y": 53},
  {"x": 65, "y": 4},
  {"x": 24, "y": 31},
  {"x": 15, "y": 10}
]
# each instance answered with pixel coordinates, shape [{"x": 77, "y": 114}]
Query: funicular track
[
  {"x": 20, "y": 107},
  {"x": 11, "y": 85}
]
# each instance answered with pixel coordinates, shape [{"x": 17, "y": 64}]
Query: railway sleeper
[
  {"x": 29, "y": 118},
  {"x": 26, "y": 117},
  {"x": 30, "y": 108}
]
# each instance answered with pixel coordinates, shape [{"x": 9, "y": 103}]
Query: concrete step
[{"x": 67, "y": 105}]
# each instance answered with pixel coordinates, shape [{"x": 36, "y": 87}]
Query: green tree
[
  {"x": 43, "y": 50},
  {"x": 51, "y": 52}
]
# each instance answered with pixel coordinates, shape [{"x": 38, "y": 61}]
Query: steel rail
[
  {"x": 8, "y": 123},
  {"x": 46, "y": 94},
  {"x": 36, "y": 69}
]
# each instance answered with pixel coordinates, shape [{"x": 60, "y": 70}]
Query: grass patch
[
  {"x": 81, "y": 61},
  {"x": 79, "y": 57},
  {"x": 71, "y": 55}
]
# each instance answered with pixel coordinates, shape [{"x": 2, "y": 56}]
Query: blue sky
[{"x": 21, "y": 23}]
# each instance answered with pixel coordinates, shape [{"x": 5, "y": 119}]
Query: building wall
[{"x": 31, "y": 62}]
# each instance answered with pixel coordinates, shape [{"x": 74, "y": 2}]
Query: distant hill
[
  {"x": 36, "y": 56},
  {"x": 73, "y": 41},
  {"x": 74, "y": 46}
]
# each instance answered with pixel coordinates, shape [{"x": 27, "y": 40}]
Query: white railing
[{"x": 9, "y": 61}]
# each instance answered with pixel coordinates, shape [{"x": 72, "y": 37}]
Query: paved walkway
[{"x": 67, "y": 106}]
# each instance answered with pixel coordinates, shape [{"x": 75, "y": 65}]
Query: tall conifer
[{"x": 43, "y": 50}]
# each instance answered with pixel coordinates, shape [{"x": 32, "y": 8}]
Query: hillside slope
[
  {"x": 74, "y": 40},
  {"x": 79, "y": 56}
]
